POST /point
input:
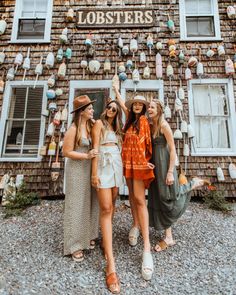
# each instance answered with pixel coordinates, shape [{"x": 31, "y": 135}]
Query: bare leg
[
  {"x": 106, "y": 211},
  {"x": 115, "y": 191},
  {"x": 142, "y": 212},
  {"x": 132, "y": 203}
]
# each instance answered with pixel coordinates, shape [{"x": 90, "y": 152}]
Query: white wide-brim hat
[{"x": 137, "y": 98}]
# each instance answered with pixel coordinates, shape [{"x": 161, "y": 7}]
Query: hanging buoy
[
  {"x": 51, "y": 129},
  {"x": 210, "y": 53},
  {"x": 125, "y": 49},
  {"x": 142, "y": 58},
  {"x": 18, "y": 60},
  {"x": 181, "y": 93},
  {"x": 120, "y": 45},
  {"x": 220, "y": 174},
  {"x": 38, "y": 70},
  {"x": 107, "y": 66},
  {"x": 115, "y": 80},
  {"x": 70, "y": 15},
  {"x": 123, "y": 76},
  {"x": 159, "y": 46},
  {"x": 191, "y": 133},
  {"x": 232, "y": 170},
  {"x": 135, "y": 77},
  {"x": 49, "y": 60},
  {"x": 150, "y": 43},
  {"x": 129, "y": 64},
  {"x": 221, "y": 50},
  {"x": 52, "y": 149},
  {"x": 50, "y": 94},
  {"x": 229, "y": 67},
  {"x": 170, "y": 24},
  {"x": 52, "y": 107},
  {"x": 59, "y": 92},
  {"x": 121, "y": 67},
  {"x": 184, "y": 127},
  {"x": 133, "y": 46},
  {"x": 60, "y": 54},
  {"x": 88, "y": 41},
  {"x": 188, "y": 74},
  {"x": 172, "y": 51},
  {"x": 57, "y": 118},
  {"x": 178, "y": 103},
  {"x": 11, "y": 74},
  {"x": 231, "y": 12},
  {"x": 26, "y": 64},
  {"x": 84, "y": 66},
  {"x": 64, "y": 114},
  {"x": 146, "y": 72},
  {"x": 62, "y": 71},
  {"x": 68, "y": 53},
  {"x": 3, "y": 26},
  {"x": 63, "y": 37},
  {"x": 181, "y": 57},
  {"x": 94, "y": 66},
  {"x": 169, "y": 71},
  {"x": 2, "y": 83},
  {"x": 159, "y": 69},
  {"x": 51, "y": 80}
]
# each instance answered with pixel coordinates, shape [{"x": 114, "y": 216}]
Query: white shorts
[{"x": 110, "y": 169}]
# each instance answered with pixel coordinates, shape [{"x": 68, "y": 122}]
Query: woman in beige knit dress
[{"x": 81, "y": 216}]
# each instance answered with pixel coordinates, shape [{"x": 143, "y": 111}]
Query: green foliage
[
  {"x": 23, "y": 199},
  {"x": 215, "y": 199}
]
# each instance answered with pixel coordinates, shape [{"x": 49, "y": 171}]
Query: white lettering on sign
[{"x": 119, "y": 18}]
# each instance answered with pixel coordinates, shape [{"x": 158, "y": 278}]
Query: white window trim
[
  {"x": 48, "y": 25},
  {"x": 4, "y": 116},
  {"x": 183, "y": 28},
  {"x": 232, "y": 120}
]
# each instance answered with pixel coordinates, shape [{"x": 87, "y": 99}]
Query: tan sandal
[
  {"x": 133, "y": 236},
  {"x": 78, "y": 256},
  {"x": 163, "y": 245},
  {"x": 113, "y": 283}
]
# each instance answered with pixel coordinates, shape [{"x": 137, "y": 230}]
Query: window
[
  {"x": 32, "y": 21},
  {"x": 22, "y": 124},
  {"x": 212, "y": 115},
  {"x": 199, "y": 20}
]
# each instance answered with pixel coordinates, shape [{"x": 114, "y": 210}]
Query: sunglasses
[{"x": 113, "y": 109}]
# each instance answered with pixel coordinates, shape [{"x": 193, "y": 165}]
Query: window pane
[
  {"x": 32, "y": 132},
  {"x": 17, "y": 105},
  {"x": 34, "y": 104},
  {"x": 196, "y": 7},
  {"x": 35, "y": 8},
  {"x": 31, "y": 29},
  {"x": 201, "y": 100},
  {"x": 219, "y": 100},
  {"x": 220, "y": 132},
  {"x": 200, "y": 26}
]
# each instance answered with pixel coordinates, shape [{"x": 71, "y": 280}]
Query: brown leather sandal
[
  {"x": 163, "y": 245},
  {"x": 113, "y": 283}
]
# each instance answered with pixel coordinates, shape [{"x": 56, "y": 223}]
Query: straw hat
[
  {"x": 137, "y": 98},
  {"x": 80, "y": 102}
]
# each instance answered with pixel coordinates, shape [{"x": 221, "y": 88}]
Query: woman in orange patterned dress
[{"x": 136, "y": 153}]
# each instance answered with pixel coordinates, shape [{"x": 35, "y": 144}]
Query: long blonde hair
[
  {"x": 156, "y": 128},
  {"x": 77, "y": 122}
]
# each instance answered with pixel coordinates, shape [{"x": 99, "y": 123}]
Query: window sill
[
  {"x": 38, "y": 159},
  {"x": 29, "y": 41},
  {"x": 208, "y": 154},
  {"x": 201, "y": 39}
]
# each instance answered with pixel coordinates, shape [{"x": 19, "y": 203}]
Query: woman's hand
[
  {"x": 169, "y": 178},
  {"x": 95, "y": 180},
  {"x": 92, "y": 153}
]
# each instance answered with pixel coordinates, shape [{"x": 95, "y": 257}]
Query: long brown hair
[
  {"x": 117, "y": 124},
  {"x": 77, "y": 122},
  {"x": 156, "y": 128},
  {"x": 133, "y": 120}
]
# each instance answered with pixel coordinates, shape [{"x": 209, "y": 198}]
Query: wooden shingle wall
[{"x": 38, "y": 174}]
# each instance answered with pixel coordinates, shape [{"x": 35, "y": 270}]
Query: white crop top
[{"x": 109, "y": 137}]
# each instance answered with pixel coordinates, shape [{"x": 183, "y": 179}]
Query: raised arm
[
  {"x": 121, "y": 102},
  {"x": 166, "y": 130},
  {"x": 96, "y": 135}
]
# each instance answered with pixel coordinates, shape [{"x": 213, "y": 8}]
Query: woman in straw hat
[
  {"x": 136, "y": 153},
  {"x": 81, "y": 207},
  {"x": 167, "y": 200},
  {"x": 107, "y": 178}
]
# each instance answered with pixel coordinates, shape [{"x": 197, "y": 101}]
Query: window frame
[
  {"x": 4, "y": 116},
  {"x": 183, "y": 23},
  {"x": 15, "y": 25},
  {"x": 232, "y": 118}
]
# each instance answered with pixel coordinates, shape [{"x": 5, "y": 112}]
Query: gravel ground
[{"x": 202, "y": 262}]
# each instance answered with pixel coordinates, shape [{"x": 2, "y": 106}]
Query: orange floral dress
[{"x": 136, "y": 153}]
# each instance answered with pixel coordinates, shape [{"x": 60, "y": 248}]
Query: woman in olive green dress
[{"x": 167, "y": 200}]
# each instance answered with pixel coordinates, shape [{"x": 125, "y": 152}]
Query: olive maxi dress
[
  {"x": 166, "y": 203},
  {"x": 81, "y": 217}
]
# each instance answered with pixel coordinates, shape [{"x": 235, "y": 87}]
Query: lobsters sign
[{"x": 104, "y": 18}]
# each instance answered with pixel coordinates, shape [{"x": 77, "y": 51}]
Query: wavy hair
[
  {"x": 156, "y": 128},
  {"x": 77, "y": 122},
  {"x": 133, "y": 120},
  {"x": 117, "y": 124}
]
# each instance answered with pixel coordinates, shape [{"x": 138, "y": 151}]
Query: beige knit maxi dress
[{"x": 81, "y": 216}]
